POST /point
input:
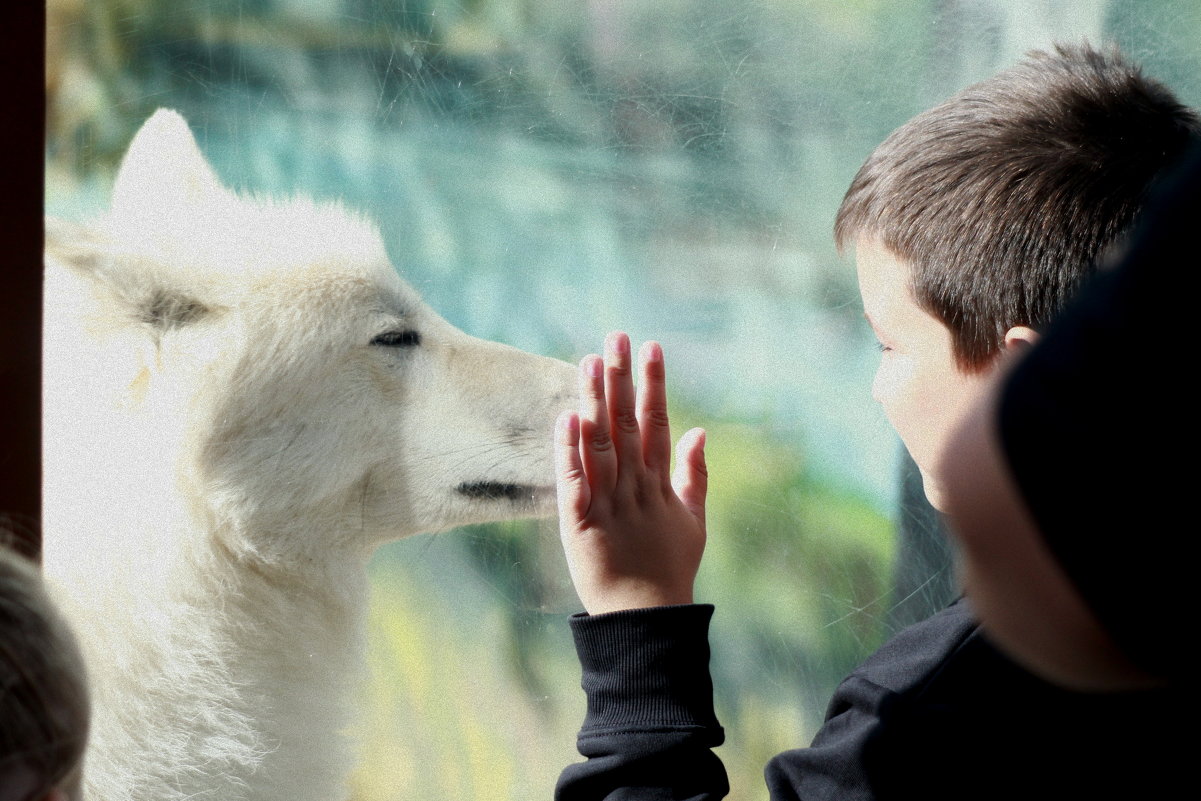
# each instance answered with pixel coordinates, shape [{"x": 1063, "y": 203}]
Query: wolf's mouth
[{"x": 495, "y": 491}]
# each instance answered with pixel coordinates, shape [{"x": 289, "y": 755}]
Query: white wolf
[{"x": 242, "y": 400}]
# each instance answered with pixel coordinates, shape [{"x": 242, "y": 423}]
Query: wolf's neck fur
[
  {"x": 214, "y": 675},
  {"x": 219, "y": 677}
]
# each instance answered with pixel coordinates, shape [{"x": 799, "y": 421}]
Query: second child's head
[
  {"x": 43, "y": 696},
  {"x": 976, "y": 221}
]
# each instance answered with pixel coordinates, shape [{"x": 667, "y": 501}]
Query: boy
[{"x": 972, "y": 226}]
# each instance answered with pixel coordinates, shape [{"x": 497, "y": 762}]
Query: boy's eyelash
[{"x": 880, "y": 346}]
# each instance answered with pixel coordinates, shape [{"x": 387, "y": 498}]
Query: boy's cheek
[
  {"x": 886, "y": 381},
  {"x": 894, "y": 389}
]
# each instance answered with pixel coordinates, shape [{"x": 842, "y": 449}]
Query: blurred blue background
[{"x": 544, "y": 171}]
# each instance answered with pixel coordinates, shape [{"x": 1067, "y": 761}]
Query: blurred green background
[{"x": 544, "y": 171}]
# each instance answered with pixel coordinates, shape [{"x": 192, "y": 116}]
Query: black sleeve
[{"x": 650, "y": 727}]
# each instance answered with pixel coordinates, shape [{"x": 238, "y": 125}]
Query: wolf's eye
[{"x": 398, "y": 339}]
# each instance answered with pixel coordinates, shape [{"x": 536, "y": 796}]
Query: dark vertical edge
[{"x": 22, "y": 143}]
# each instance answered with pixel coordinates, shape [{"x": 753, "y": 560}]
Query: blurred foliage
[
  {"x": 445, "y": 715},
  {"x": 732, "y": 93},
  {"x": 805, "y": 566},
  {"x": 1164, "y": 36}
]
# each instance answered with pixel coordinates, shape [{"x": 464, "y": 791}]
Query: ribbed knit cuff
[{"x": 646, "y": 669}]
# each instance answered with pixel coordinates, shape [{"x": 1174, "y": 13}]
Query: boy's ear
[
  {"x": 163, "y": 170},
  {"x": 1018, "y": 338}
]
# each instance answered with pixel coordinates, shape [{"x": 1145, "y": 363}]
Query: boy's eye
[
  {"x": 398, "y": 339},
  {"x": 880, "y": 346}
]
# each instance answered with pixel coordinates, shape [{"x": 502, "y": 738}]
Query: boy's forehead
[
  {"x": 886, "y": 288},
  {"x": 882, "y": 273}
]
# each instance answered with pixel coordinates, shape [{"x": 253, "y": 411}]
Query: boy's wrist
[{"x": 636, "y": 598}]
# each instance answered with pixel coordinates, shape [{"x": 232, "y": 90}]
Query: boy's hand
[{"x": 633, "y": 535}]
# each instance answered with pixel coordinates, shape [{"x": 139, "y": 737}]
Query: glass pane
[{"x": 544, "y": 171}]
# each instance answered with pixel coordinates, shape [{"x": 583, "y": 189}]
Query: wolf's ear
[
  {"x": 74, "y": 246},
  {"x": 163, "y": 170},
  {"x": 144, "y": 295}
]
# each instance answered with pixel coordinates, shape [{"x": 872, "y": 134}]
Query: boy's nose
[{"x": 878, "y": 385}]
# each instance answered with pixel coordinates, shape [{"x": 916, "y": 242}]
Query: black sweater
[{"x": 936, "y": 713}]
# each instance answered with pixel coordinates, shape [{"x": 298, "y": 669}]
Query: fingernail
[
  {"x": 592, "y": 367},
  {"x": 619, "y": 343},
  {"x": 652, "y": 352}
]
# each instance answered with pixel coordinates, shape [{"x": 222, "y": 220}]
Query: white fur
[{"x": 224, "y": 448}]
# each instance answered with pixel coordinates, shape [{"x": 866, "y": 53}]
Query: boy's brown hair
[{"x": 1004, "y": 197}]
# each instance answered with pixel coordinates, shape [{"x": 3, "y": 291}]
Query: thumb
[{"x": 690, "y": 480}]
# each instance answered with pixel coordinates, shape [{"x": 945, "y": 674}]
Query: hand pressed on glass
[{"x": 633, "y": 532}]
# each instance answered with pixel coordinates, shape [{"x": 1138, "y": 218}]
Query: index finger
[{"x": 571, "y": 483}]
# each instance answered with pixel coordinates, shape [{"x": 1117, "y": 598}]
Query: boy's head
[
  {"x": 977, "y": 220},
  {"x": 1002, "y": 198},
  {"x": 43, "y": 698}
]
